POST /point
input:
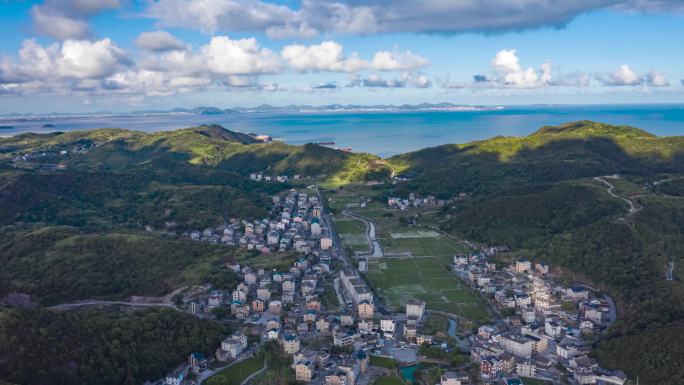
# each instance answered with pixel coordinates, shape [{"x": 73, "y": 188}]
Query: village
[
  {"x": 295, "y": 225},
  {"x": 545, "y": 330},
  {"x": 331, "y": 329}
]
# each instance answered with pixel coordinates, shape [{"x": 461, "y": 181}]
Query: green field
[
  {"x": 235, "y": 374},
  {"x": 389, "y": 381},
  {"x": 424, "y": 273},
  {"x": 436, "y": 324},
  {"x": 422, "y": 269},
  {"x": 425, "y": 278},
  {"x": 352, "y": 232},
  {"x": 383, "y": 362}
]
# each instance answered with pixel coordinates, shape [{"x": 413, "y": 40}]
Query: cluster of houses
[
  {"x": 288, "y": 308},
  {"x": 413, "y": 201},
  {"x": 262, "y": 177},
  {"x": 295, "y": 225},
  {"x": 45, "y": 158},
  {"x": 541, "y": 335},
  {"x": 545, "y": 328}
]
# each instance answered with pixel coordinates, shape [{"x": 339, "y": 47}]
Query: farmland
[
  {"x": 417, "y": 264},
  {"x": 352, "y": 233}
]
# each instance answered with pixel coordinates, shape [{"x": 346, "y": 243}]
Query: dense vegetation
[
  {"x": 212, "y": 146},
  {"x": 525, "y": 217},
  {"x": 60, "y": 264},
  {"x": 552, "y": 154},
  {"x": 105, "y": 347},
  {"x": 131, "y": 199},
  {"x": 536, "y": 195}
]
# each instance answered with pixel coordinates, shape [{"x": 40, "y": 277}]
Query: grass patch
[
  {"x": 235, "y": 374},
  {"x": 352, "y": 232},
  {"x": 436, "y": 324},
  {"x": 533, "y": 381},
  {"x": 389, "y": 381},
  {"x": 426, "y": 278},
  {"x": 383, "y": 362}
]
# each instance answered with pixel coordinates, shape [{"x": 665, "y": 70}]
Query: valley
[{"x": 131, "y": 232}]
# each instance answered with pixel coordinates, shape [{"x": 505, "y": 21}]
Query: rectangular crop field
[
  {"x": 352, "y": 232},
  {"x": 426, "y": 278}
]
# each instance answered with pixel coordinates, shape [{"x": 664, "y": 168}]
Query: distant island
[
  {"x": 266, "y": 108},
  {"x": 6, "y": 127}
]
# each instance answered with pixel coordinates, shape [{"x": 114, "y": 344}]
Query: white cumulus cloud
[
  {"x": 509, "y": 73},
  {"x": 329, "y": 56},
  {"x": 657, "y": 79},
  {"x": 626, "y": 76},
  {"x": 239, "y": 57}
]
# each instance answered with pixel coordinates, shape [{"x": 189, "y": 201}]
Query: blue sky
[{"x": 91, "y": 55}]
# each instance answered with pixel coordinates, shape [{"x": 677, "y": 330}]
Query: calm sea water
[{"x": 384, "y": 134}]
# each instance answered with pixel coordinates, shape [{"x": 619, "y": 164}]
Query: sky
[{"x": 123, "y": 55}]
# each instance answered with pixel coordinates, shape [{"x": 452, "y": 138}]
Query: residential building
[
  {"x": 365, "y": 309},
  {"x": 304, "y": 370},
  {"x": 415, "y": 309},
  {"x": 517, "y": 345},
  {"x": 387, "y": 326},
  {"x": 291, "y": 343},
  {"x": 523, "y": 266},
  {"x": 525, "y": 368}
]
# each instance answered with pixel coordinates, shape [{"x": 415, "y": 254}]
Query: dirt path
[
  {"x": 667, "y": 180},
  {"x": 133, "y": 301}
]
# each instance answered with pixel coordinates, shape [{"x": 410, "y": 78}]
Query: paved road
[
  {"x": 370, "y": 233},
  {"x": 633, "y": 206},
  {"x": 337, "y": 245},
  {"x": 87, "y": 303},
  {"x": 258, "y": 372}
]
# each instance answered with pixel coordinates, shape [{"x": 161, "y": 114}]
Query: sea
[{"x": 381, "y": 133}]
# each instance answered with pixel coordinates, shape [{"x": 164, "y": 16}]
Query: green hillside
[
  {"x": 106, "y": 347},
  {"x": 213, "y": 146},
  {"x": 551, "y": 154},
  {"x": 62, "y": 264},
  {"x": 537, "y": 195}
]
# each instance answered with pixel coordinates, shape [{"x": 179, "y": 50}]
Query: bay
[{"x": 381, "y": 133}]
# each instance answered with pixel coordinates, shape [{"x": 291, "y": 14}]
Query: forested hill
[
  {"x": 551, "y": 154},
  {"x": 212, "y": 146},
  {"x": 538, "y": 195}
]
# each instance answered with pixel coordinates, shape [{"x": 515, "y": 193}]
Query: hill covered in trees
[
  {"x": 62, "y": 264},
  {"x": 538, "y": 195},
  {"x": 212, "y": 146},
  {"x": 551, "y": 154},
  {"x": 106, "y": 347}
]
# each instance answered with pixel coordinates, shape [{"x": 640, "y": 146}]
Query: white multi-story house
[
  {"x": 517, "y": 345},
  {"x": 234, "y": 345},
  {"x": 553, "y": 328},
  {"x": 415, "y": 309},
  {"x": 291, "y": 343},
  {"x": 387, "y": 326}
]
